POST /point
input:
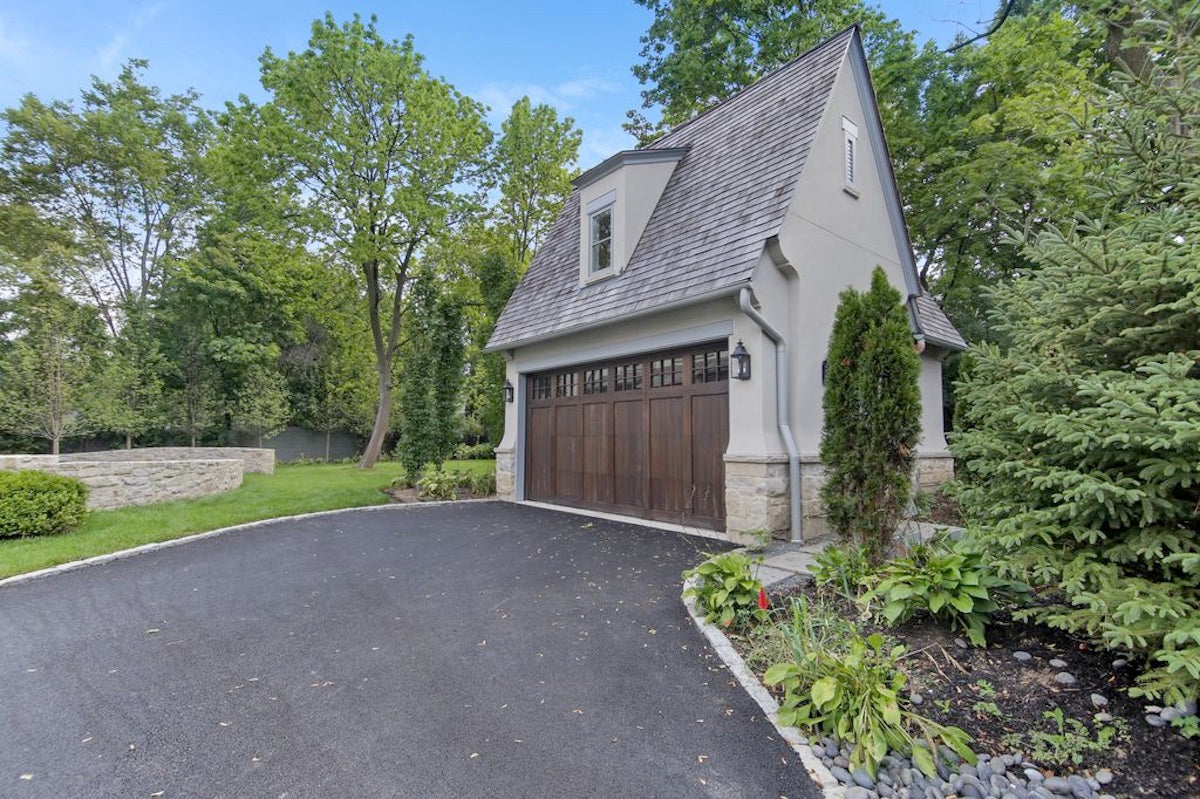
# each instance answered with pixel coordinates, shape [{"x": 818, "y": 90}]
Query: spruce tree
[
  {"x": 872, "y": 409},
  {"x": 1080, "y": 442}
]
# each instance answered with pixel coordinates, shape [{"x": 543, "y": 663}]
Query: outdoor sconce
[
  {"x": 508, "y": 391},
  {"x": 741, "y": 359}
]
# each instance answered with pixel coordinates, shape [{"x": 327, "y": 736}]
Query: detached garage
[
  {"x": 739, "y": 227},
  {"x": 640, "y": 436}
]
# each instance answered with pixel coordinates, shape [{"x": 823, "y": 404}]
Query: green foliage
[
  {"x": 841, "y": 684},
  {"x": 843, "y": 569},
  {"x": 1067, "y": 740},
  {"x": 1079, "y": 440},
  {"x": 261, "y": 405},
  {"x": 726, "y": 590},
  {"x": 432, "y": 376},
  {"x": 474, "y": 452},
  {"x": 872, "y": 407},
  {"x": 482, "y": 484},
  {"x": 948, "y": 580},
  {"x": 374, "y": 151},
  {"x": 440, "y": 484},
  {"x": 36, "y": 503}
]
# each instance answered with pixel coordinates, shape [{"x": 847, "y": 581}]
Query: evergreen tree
[
  {"x": 872, "y": 409},
  {"x": 1080, "y": 450}
]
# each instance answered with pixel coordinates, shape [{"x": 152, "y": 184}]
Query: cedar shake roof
[
  {"x": 933, "y": 322},
  {"x": 727, "y": 195}
]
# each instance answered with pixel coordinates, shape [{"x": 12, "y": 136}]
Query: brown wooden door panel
[
  {"x": 568, "y": 452},
  {"x": 629, "y": 453},
  {"x": 667, "y": 477},
  {"x": 643, "y": 436},
  {"x": 539, "y": 462},
  {"x": 709, "y": 437},
  {"x": 598, "y": 453}
]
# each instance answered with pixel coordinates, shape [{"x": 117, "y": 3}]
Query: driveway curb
[
  {"x": 824, "y": 779},
  {"x": 97, "y": 560}
]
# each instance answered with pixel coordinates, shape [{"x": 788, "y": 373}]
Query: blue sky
[{"x": 573, "y": 55}]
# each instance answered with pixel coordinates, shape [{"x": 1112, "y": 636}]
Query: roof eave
[{"x": 683, "y": 302}]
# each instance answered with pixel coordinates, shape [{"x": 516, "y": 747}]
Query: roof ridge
[{"x": 758, "y": 82}]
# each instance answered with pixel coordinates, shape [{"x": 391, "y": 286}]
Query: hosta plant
[
  {"x": 947, "y": 579},
  {"x": 726, "y": 590},
  {"x": 841, "y": 684}
]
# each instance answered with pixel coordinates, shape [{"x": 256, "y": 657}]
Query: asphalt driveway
[{"x": 467, "y": 650}]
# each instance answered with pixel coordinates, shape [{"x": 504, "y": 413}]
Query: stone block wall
[
  {"x": 934, "y": 470},
  {"x": 254, "y": 460},
  {"x": 121, "y": 483},
  {"x": 756, "y": 497},
  {"x": 506, "y": 475}
]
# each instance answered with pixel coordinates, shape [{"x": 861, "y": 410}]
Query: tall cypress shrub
[
  {"x": 1080, "y": 442},
  {"x": 872, "y": 407}
]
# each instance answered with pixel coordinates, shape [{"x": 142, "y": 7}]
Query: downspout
[{"x": 782, "y": 380}]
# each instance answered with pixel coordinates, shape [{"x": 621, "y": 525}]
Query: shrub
[
  {"x": 726, "y": 590},
  {"x": 872, "y": 406},
  {"x": 948, "y": 580},
  {"x": 843, "y": 569},
  {"x": 484, "y": 484},
  {"x": 40, "y": 503},
  {"x": 1080, "y": 435},
  {"x": 439, "y": 485},
  {"x": 474, "y": 452},
  {"x": 847, "y": 686}
]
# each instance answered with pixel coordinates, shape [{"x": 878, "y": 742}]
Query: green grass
[{"x": 291, "y": 490}]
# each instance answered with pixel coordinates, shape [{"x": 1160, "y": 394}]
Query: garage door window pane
[
  {"x": 595, "y": 381},
  {"x": 666, "y": 372},
  {"x": 627, "y": 377},
  {"x": 566, "y": 384},
  {"x": 710, "y": 367},
  {"x": 539, "y": 387}
]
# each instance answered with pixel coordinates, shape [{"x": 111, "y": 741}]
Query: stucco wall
[
  {"x": 118, "y": 484},
  {"x": 254, "y": 460}
]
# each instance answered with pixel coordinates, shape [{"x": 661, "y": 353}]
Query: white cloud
[
  {"x": 601, "y": 142},
  {"x": 109, "y": 54},
  {"x": 564, "y": 97}
]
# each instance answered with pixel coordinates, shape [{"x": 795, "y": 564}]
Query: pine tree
[
  {"x": 1080, "y": 450},
  {"x": 872, "y": 416}
]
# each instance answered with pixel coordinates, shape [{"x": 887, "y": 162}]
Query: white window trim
[
  {"x": 605, "y": 202},
  {"x": 850, "y": 157}
]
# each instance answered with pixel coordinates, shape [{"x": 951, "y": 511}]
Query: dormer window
[
  {"x": 601, "y": 238},
  {"x": 850, "y": 157}
]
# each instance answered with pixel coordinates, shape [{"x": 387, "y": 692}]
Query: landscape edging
[{"x": 830, "y": 787}]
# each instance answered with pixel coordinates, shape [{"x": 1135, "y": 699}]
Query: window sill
[{"x": 853, "y": 192}]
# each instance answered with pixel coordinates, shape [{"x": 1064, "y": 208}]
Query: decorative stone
[
  {"x": 1065, "y": 678},
  {"x": 961, "y": 643},
  {"x": 1187, "y": 707},
  {"x": 1120, "y": 663},
  {"x": 1099, "y": 700},
  {"x": 1079, "y": 787},
  {"x": 916, "y": 698},
  {"x": 857, "y": 792},
  {"x": 841, "y": 775},
  {"x": 1103, "y": 718},
  {"x": 843, "y": 762},
  {"x": 1155, "y": 720},
  {"x": 1058, "y": 663},
  {"x": 1033, "y": 775},
  {"x": 1169, "y": 713},
  {"x": 861, "y": 777},
  {"x": 1104, "y": 776},
  {"x": 1022, "y": 657}
]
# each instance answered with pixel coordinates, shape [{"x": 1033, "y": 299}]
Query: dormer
[{"x": 616, "y": 199}]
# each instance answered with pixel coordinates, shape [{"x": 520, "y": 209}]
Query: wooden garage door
[{"x": 642, "y": 436}]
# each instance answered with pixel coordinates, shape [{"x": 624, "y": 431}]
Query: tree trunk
[
  {"x": 192, "y": 437},
  {"x": 383, "y": 417},
  {"x": 328, "y": 436},
  {"x": 128, "y": 441},
  {"x": 54, "y": 446}
]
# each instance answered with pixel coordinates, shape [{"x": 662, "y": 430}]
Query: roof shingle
[{"x": 726, "y": 197}]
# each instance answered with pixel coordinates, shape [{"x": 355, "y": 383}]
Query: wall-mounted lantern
[
  {"x": 508, "y": 391},
  {"x": 741, "y": 360}
]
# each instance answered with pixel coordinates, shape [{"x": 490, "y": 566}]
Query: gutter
[{"x": 782, "y": 381}]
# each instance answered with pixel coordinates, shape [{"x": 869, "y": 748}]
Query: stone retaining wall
[
  {"x": 254, "y": 460},
  {"x": 506, "y": 477},
  {"x": 114, "y": 483}
]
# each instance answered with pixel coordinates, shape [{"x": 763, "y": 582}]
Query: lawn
[{"x": 291, "y": 490}]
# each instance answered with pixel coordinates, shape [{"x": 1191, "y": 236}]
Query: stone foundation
[
  {"x": 756, "y": 497},
  {"x": 506, "y": 475},
  {"x": 934, "y": 470}
]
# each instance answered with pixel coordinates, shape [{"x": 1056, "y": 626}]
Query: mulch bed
[
  {"x": 988, "y": 693},
  {"x": 413, "y": 495}
]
